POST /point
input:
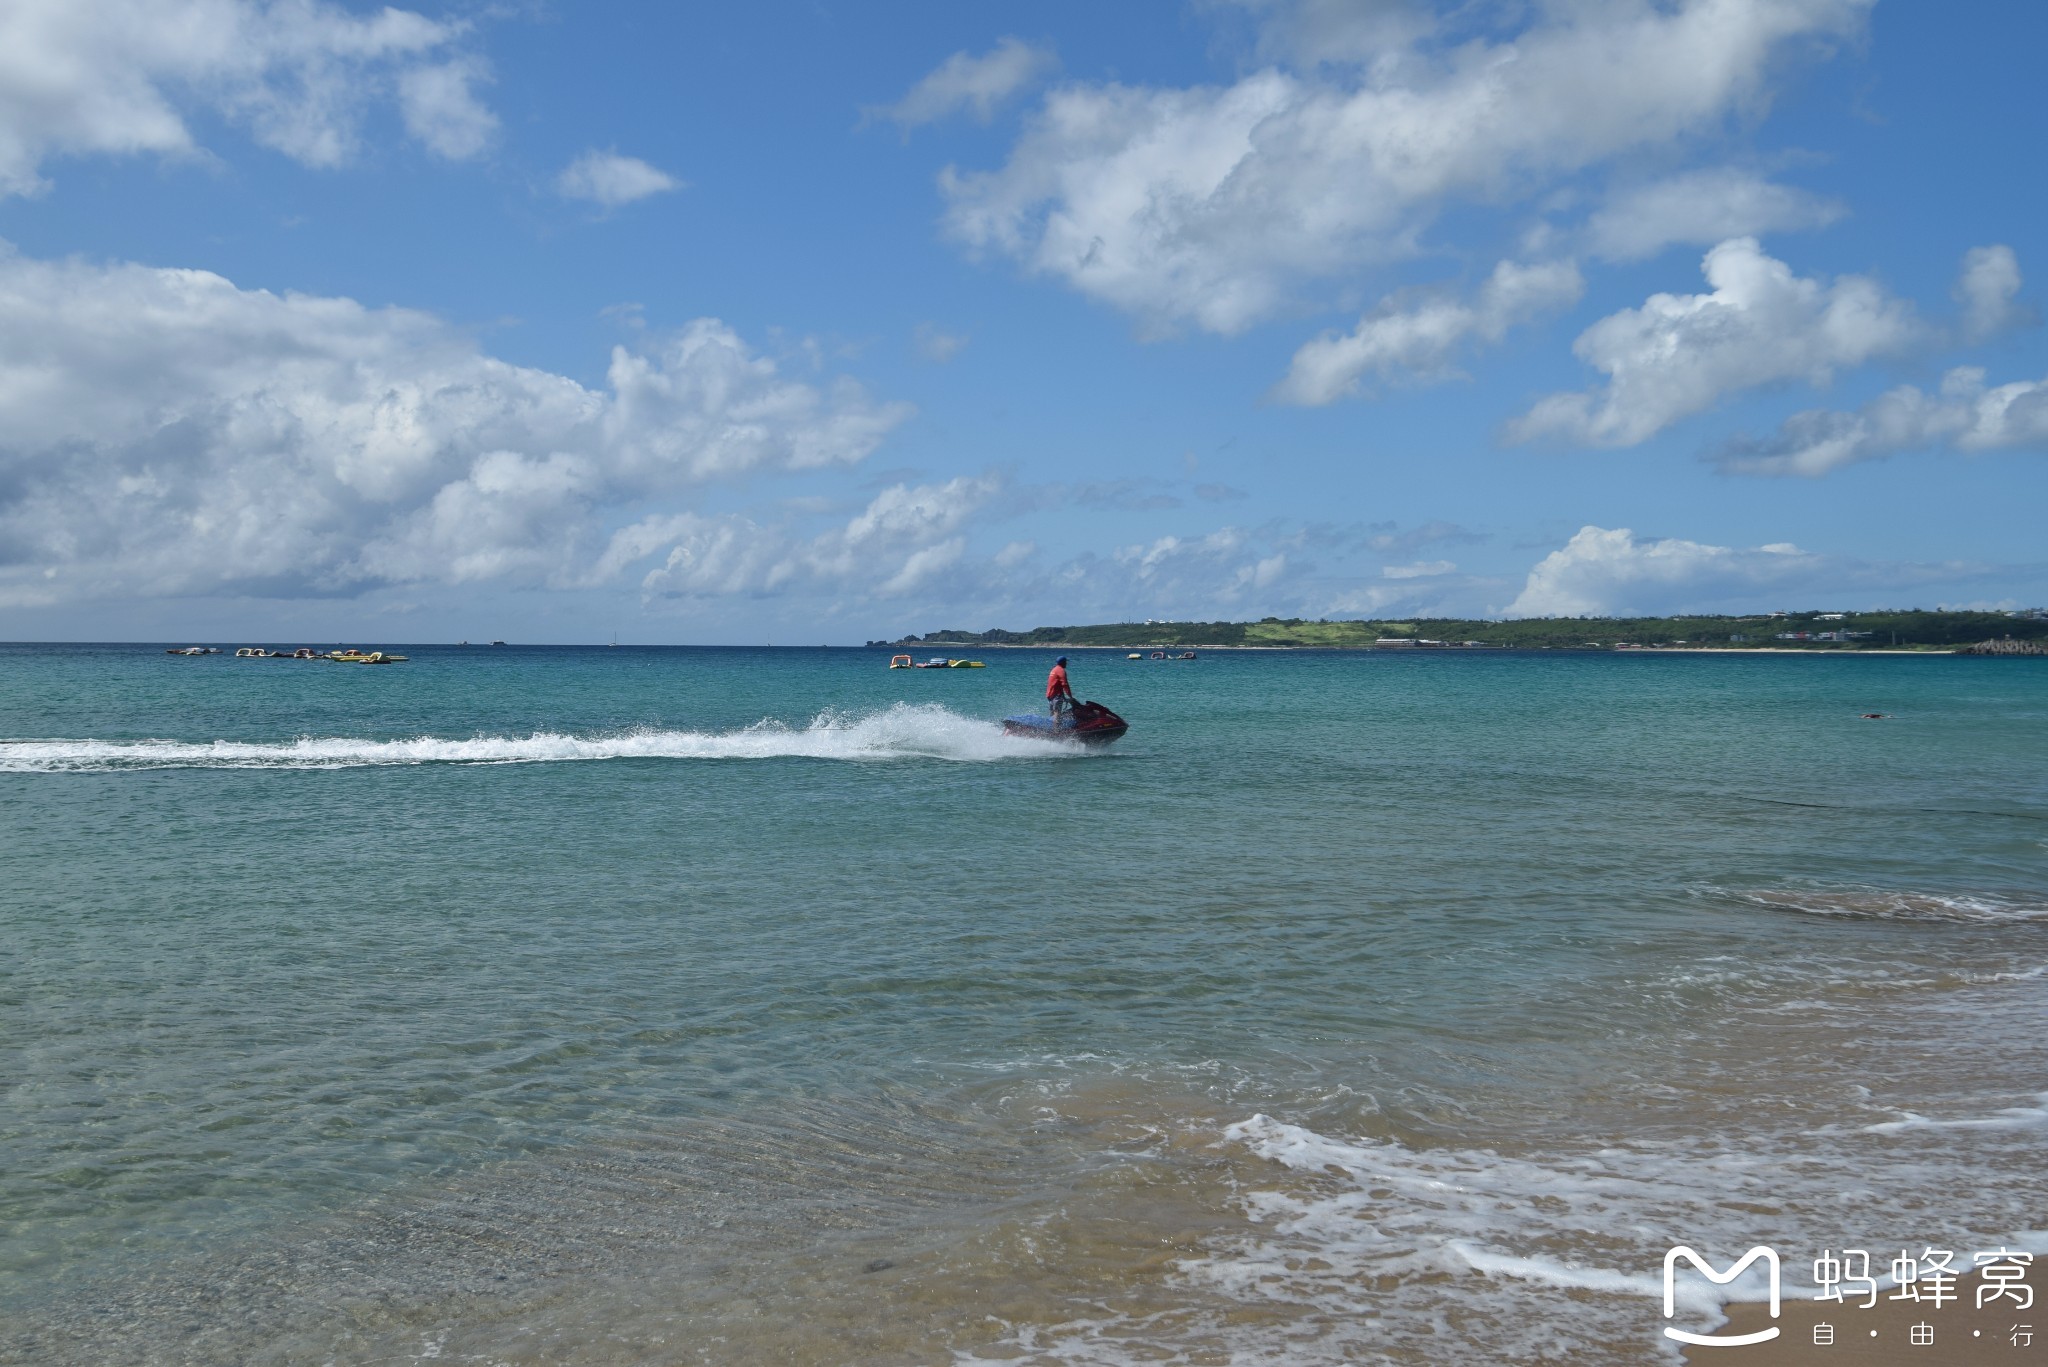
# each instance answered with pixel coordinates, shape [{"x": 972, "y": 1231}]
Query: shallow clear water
[{"x": 636, "y": 1005}]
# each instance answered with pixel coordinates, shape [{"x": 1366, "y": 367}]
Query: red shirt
[{"x": 1056, "y": 684}]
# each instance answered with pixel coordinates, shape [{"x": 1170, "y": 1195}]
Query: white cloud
[
  {"x": 937, "y": 345},
  {"x": 1234, "y": 572},
  {"x": 964, "y": 83},
  {"x": 1223, "y": 568},
  {"x": 1420, "y": 343},
  {"x": 1421, "y": 569},
  {"x": 1987, "y": 292},
  {"x": 80, "y": 77},
  {"x": 162, "y": 431},
  {"x": 1680, "y": 354},
  {"x": 1214, "y": 205},
  {"x": 1318, "y": 32},
  {"x": 1227, "y": 572},
  {"x": 1604, "y": 572},
  {"x": 907, "y": 537},
  {"x": 1698, "y": 208},
  {"x": 1962, "y": 416},
  {"x": 922, "y": 566},
  {"x": 441, "y": 108},
  {"x": 611, "y": 180}
]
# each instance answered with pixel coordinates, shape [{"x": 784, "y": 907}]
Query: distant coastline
[{"x": 1911, "y": 631}]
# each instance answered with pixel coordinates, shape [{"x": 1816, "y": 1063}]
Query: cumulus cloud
[
  {"x": 1420, "y": 343},
  {"x": 611, "y": 180},
  {"x": 1680, "y": 354},
  {"x": 119, "y": 76},
  {"x": 163, "y": 431},
  {"x": 441, "y": 108},
  {"x": 1214, "y": 205},
  {"x": 1987, "y": 292},
  {"x": 1223, "y": 572},
  {"x": 1601, "y": 572},
  {"x": 1324, "y": 32},
  {"x": 968, "y": 84},
  {"x": 1702, "y": 207},
  {"x": 1284, "y": 568},
  {"x": 1962, "y": 415},
  {"x": 907, "y": 537},
  {"x": 1221, "y": 568}
]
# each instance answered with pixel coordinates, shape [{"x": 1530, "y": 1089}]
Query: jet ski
[{"x": 1086, "y": 721}]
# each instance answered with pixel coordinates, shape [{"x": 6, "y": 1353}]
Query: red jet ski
[{"x": 1085, "y": 721}]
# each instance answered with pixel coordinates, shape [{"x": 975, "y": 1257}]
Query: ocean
[{"x": 525, "y": 1005}]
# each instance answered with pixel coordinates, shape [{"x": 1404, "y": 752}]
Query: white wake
[{"x": 904, "y": 731}]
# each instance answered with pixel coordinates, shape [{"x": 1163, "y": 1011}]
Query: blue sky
[{"x": 798, "y": 322}]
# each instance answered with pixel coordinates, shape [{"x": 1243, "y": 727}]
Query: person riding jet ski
[
  {"x": 1069, "y": 718},
  {"x": 1059, "y": 696}
]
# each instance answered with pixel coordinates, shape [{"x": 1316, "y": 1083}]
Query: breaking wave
[
  {"x": 2009, "y": 1118},
  {"x": 904, "y": 731},
  {"x": 1977, "y": 908},
  {"x": 1475, "y": 1254}
]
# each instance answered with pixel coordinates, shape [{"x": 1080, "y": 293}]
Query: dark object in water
[{"x": 1086, "y": 721}]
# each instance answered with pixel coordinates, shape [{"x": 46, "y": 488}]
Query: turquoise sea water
[{"x": 672, "y": 1005}]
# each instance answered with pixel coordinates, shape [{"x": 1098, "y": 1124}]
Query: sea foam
[
  {"x": 1477, "y": 1250},
  {"x": 904, "y": 731},
  {"x": 1879, "y": 904}
]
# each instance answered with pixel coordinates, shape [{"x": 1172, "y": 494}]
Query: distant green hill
[{"x": 1805, "y": 630}]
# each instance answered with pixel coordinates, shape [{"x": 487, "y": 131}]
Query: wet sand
[{"x": 1961, "y": 1334}]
